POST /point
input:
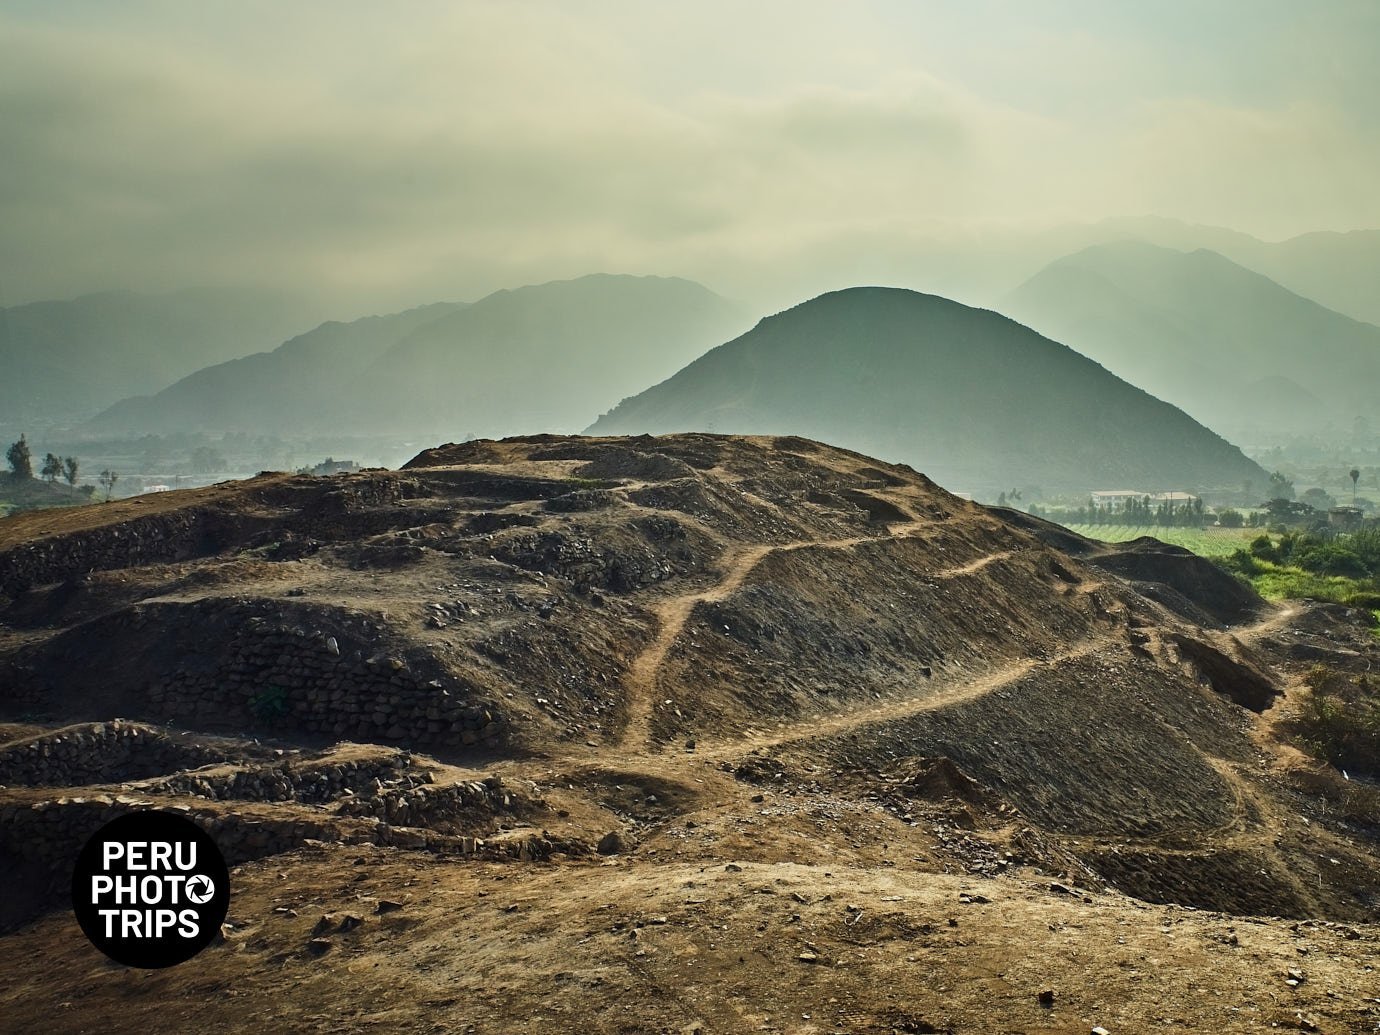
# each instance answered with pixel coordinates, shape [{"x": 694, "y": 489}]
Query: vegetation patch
[
  {"x": 1205, "y": 542},
  {"x": 1339, "y": 720},
  {"x": 1341, "y": 568}
]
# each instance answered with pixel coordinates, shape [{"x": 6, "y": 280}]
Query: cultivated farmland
[{"x": 1206, "y": 542}]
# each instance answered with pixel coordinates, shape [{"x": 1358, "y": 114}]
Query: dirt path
[
  {"x": 635, "y": 743},
  {"x": 1266, "y": 733},
  {"x": 1277, "y": 621},
  {"x": 673, "y": 613},
  {"x": 973, "y": 567},
  {"x": 671, "y": 616},
  {"x": 901, "y": 708}
]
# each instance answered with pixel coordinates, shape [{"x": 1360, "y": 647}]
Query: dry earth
[{"x": 675, "y": 734}]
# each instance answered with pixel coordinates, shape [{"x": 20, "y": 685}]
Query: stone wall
[
  {"x": 346, "y": 507},
  {"x": 274, "y": 675},
  {"x": 154, "y": 539},
  {"x": 97, "y": 753},
  {"x": 389, "y": 789},
  {"x": 272, "y": 666},
  {"x": 313, "y": 781},
  {"x": 437, "y": 807}
]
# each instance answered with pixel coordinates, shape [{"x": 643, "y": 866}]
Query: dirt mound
[
  {"x": 1191, "y": 586},
  {"x": 939, "y": 779},
  {"x": 710, "y": 654},
  {"x": 1224, "y": 597},
  {"x": 1056, "y": 536}
]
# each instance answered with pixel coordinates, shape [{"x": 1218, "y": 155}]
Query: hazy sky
[{"x": 387, "y": 154}]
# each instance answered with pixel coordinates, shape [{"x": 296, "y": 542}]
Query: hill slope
[
  {"x": 541, "y": 357},
  {"x": 972, "y": 398},
  {"x": 1233, "y": 348},
  {"x": 66, "y": 360},
  {"x": 602, "y": 715},
  {"x": 1338, "y": 270},
  {"x": 299, "y": 386}
]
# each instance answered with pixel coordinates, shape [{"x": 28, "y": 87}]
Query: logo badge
[{"x": 150, "y": 889}]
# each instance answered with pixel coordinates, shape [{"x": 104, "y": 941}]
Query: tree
[
  {"x": 69, "y": 470},
  {"x": 1318, "y": 499},
  {"x": 108, "y": 479},
  {"x": 1289, "y": 511},
  {"x": 21, "y": 459},
  {"x": 1281, "y": 487},
  {"x": 52, "y": 467}
]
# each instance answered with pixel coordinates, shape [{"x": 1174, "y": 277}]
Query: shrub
[
  {"x": 1331, "y": 559},
  {"x": 1365, "y": 544},
  {"x": 1339, "y": 720},
  {"x": 1240, "y": 562}
]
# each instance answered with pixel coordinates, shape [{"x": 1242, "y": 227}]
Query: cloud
[
  {"x": 1263, "y": 168},
  {"x": 389, "y": 159}
]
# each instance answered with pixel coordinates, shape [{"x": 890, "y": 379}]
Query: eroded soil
[{"x": 676, "y": 734}]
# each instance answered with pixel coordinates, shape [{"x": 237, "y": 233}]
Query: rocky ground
[{"x": 676, "y": 734}]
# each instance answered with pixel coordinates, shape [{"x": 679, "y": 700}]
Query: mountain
[
  {"x": 538, "y": 358},
  {"x": 67, "y": 360},
  {"x": 542, "y": 358},
  {"x": 1338, "y": 270},
  {"x": 973, "y": 399},
  {"x": 299, "y": 386},
  {"x": 1232, "y": 347}
]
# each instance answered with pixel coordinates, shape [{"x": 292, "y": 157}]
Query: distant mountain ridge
[
  {"x": 544, "y": 357},
  {"x": 1336, "y": 269},
  {"x": 1232, "y": 347},
  {"x": 971, "y": 398},
  {"x": 538, "y": 358},
  {"x": 297, "y": 387},
  {"x": 67, "y": 360}
]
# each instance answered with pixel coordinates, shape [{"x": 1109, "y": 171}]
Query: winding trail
[
  {"x": 1276, "y": 621},
  {"x": 672, "y": 615},
  {"x": 904, "y": 707},
  {"x": 642, "y": 681}
]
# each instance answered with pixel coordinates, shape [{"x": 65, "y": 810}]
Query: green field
[
  {"x": 1207, "y": 542},
  {"x": 1272, "y": 581}
]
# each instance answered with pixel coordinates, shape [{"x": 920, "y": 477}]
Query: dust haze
[
  {"x": 371, "y": 161},
  {"x": 622, "y": 517}
]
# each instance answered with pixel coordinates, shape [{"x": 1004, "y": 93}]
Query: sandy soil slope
[{"x": 676, "y": 734}]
